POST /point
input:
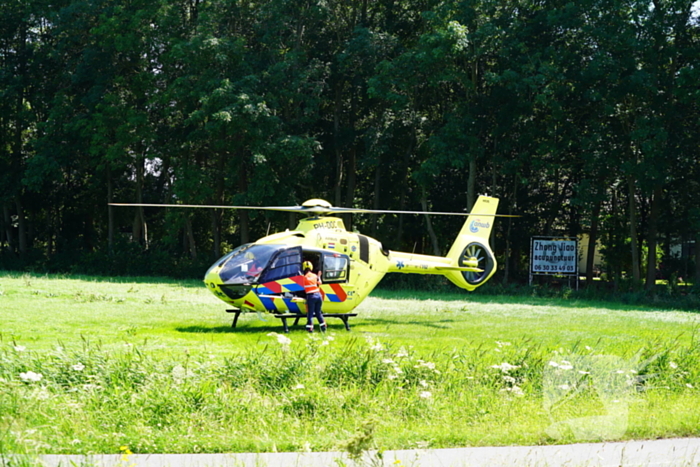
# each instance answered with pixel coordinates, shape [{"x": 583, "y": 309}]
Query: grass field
[{"x": 92, "y": 365}]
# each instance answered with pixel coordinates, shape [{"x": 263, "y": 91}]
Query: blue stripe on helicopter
[
  {"x": 268, "y": 303},
  {"x": 264, "y": 290},
  {"x": 333, "y": 298},
  {"x": 293, "y": 306},
  {"x": 293, "y": 287}
]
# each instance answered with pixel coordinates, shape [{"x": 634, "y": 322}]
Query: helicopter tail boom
[{"x": 470, "y": 261}]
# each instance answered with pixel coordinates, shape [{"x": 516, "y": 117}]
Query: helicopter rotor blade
[
  {"x": 313, "y": 209},
  {"x": 308, "y": 209},
  {"x": 436, "y": 213}
]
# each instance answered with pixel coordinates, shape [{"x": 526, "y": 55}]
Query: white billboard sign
[{"x": 553, "y": 256}]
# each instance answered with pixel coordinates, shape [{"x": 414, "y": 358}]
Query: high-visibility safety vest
[{"x": 311, "y": 283}]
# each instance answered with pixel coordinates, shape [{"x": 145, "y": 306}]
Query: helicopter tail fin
[{"x": 471, "y": 249}]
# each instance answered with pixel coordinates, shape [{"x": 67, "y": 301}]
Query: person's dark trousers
[{"x": 313, "y": 308}]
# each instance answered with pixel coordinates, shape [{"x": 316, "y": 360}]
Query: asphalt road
[{"x": 682, "y": 452}]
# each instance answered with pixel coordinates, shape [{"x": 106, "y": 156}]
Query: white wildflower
[
  {"x": 20, "y": 348},
  {"x": 178, "y": 373},
  {"x": 402, "y": 353},
  {"x": 282, "y": 339},
  {"x": 425, "y": 395},
  {"x": 509, "y": 379},
  {"x": 564, "y": 387},
  {"x": 299, "y": 386},
  {"x": 584, "y": 372},
  {"x": 422, "y": 364},
  {"x": 515, "y": 390},
  {"x": 423, "y": 383},
  {"x": 78, "y": 367},
  {"x": 673, "y": 365},
  {"x": 388, "y": 361},
  {"x": 41, "y": 395},
  {"x": 566, "y": 365},
  {"x": 505, "y": 367},
  {"x": 688, "y": 385},
  {"x": 30, "y": 377},
  {"x": 554, "y": 364},
  {"x": 378, "y": 347}
]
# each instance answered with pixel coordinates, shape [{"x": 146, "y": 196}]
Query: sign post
[{"x": 554, "y": 256}]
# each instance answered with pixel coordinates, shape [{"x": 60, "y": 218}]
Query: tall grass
[{"x": 312, "y": 392}]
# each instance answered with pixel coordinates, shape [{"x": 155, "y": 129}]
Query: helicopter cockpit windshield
[{"x": 245, "y": 264}]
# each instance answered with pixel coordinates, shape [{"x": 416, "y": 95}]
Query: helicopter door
[
  {"x": 286, "y": 263},
  {"x": 336, "y": 268}
]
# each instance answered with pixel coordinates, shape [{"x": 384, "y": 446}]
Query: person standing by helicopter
[{"x": 312, "y": 287}]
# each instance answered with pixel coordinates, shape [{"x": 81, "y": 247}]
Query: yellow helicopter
[{"x": 265, "y": 276}]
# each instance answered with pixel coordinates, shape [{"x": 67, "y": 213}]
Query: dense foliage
[{"x": 581, "y": 116}]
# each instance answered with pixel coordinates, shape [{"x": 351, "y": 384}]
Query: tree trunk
[
  {"x": 592, "y": 240},
  {"x": 8, "y": 228},
  {"x": 192, "y": 246},
  {"x": 110, "y": 211},
  {"x": 139, "y": 228},
  {"x": 471, "y": 184},
  {"x": 217, "y": 214},
  {"x": 216, "y": 232},
  {"x": 697, "y": 259},
  {"x": 431, "y": 232},
  {"x": 242, "y": 213},
  {"x": 506, "y": 272},
  {"x": 404, "y": 189},
  {"x": 338, "y": 152},
  {"x": 636, "y": 271},
  {"x": 377, "y": 193},
  {"x": 653, "y": 238},
  {"x": 21, "y": 228},
  {"x": 350, "y": 192}
]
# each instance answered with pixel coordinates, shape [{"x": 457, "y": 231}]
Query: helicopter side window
[
  {"x": 246, "y": 263},
  {"x": 286, "y": 263},
  {"x": 335, "y": 268}
]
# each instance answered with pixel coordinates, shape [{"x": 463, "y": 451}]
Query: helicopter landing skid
[{"x": 297, "y": 316}]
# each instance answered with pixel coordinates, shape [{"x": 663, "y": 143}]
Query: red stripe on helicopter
[
  {"x": 338, "y": 289},
  {"x": 274, "y": 287},
  {"x": 299, "y": 280}
]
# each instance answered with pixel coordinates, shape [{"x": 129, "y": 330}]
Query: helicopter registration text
[{"x": 328, "y": 225}]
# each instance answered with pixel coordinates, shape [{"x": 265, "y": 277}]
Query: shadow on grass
[
  {"x": 188, "y": 283},
  {"x": 435, "y": 324},
  {"x": 246, "y": 329},
  {"x": 333, "y": 325},
  {"x": 629, "y": 301}
]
